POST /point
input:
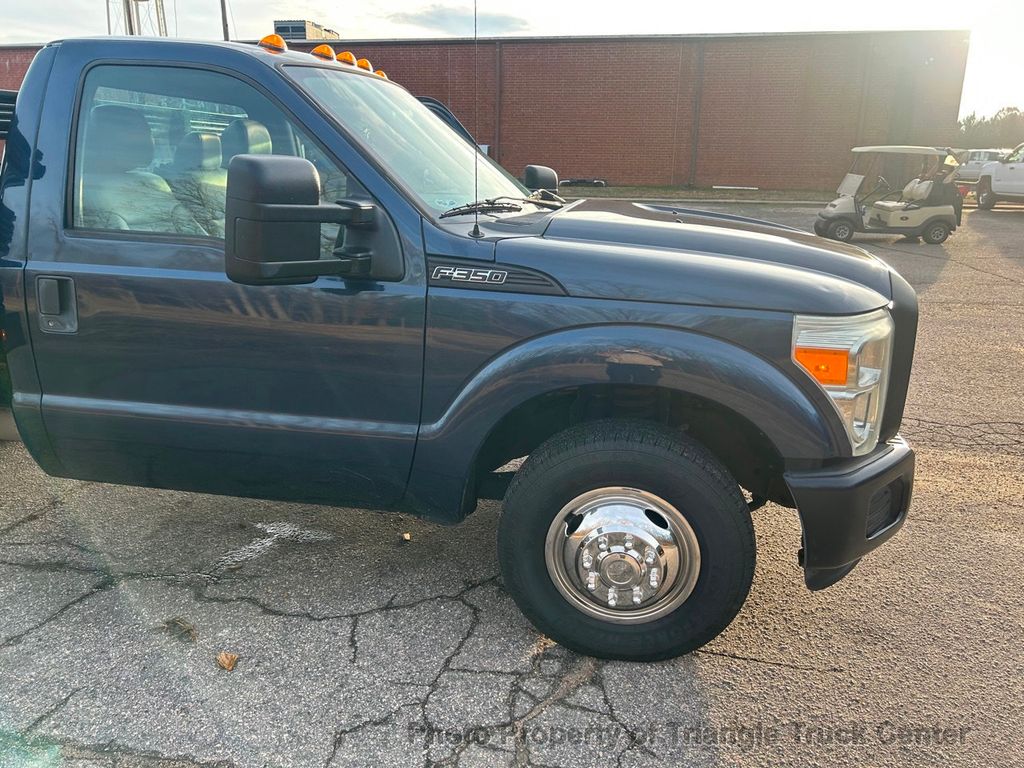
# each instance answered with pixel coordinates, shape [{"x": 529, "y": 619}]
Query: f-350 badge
[{"x": 469, "y": 275}]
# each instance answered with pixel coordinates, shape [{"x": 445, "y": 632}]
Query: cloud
[
  {"x": 458, "y": 20},
  {"x": 50, "y": 19}
]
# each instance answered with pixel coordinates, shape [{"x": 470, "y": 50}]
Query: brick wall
[
  {"x": 14, "y": 61},
  {"x": 772, "y": 111}
]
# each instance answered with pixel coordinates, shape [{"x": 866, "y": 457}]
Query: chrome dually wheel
[
  {"x": 623, "y": 555},
  {"x": 626, "y": 540}
]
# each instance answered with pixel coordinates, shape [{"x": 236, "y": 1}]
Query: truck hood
[{"x": 644, "y": 252}]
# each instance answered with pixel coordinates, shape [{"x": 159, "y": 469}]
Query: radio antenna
[{"x": 475, "y": 232}]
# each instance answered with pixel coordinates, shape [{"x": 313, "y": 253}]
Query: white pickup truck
[{"x": 1002, "y": 180}]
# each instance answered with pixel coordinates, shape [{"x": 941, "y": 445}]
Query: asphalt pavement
[{"x": 356, "y": 647}]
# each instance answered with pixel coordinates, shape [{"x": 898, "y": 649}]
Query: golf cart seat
[{"x": 914, "y": 193}]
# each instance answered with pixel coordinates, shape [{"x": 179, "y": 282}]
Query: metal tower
[{"x": 136, "y": 17}]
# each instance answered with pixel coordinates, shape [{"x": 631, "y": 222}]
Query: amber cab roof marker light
[
  {"x": 273, "y": 44},
  {"x": 324, "y": 52},
  {"x": 365, "y": 64},
  {"x": 381, "y": 73},
  {"x": 347, "y": 57}
]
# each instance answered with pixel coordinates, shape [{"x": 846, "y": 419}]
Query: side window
[
  {"x": 1016, "y": 156},
  {"x": 154, "y": 143}
]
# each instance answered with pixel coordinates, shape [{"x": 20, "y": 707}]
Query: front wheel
[
  {"x": 841, "y": 230},
  {"x": 986, "y": 197},
  {"x": 936, "y": 233},
  {"x": 626, "y": 540}
]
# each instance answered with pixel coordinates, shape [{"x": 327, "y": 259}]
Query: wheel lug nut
[
  {"x": 654, "y": 577},
  {"x": 637, "y": 596},
  {"x": 602, "y": 542},
  {"x": 649, "y": 556},
  {"x": 628, "y": 543},
  {"x": 592, "y": 581},
  {"x": 613, "y": 597},
  {"x": 588, "y": 560}
]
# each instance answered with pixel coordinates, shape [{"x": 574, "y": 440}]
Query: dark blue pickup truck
[{"x": 238, "y": 270}]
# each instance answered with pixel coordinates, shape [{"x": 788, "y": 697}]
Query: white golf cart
[{"x": 920, "y": 201}]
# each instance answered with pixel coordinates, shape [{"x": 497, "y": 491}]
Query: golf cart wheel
[
  {"x": 626, "y": 540},
  {"x": 841, "y": 230},
  {"x": 936, "y": 233},
  {"x": 986, "y": 198}
]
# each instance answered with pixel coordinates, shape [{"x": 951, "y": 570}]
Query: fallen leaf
[
  {"x": 180, "y": 627},
  {"x": 540, "y": 646},
  {"x": 406, "y": 537},
  {"x": 227, "y": 660}
]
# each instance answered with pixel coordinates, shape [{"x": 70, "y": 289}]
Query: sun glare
[{"x": 991, "y": 81}]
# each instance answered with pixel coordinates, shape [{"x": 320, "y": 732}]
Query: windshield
[{"x": 415, "y": 145}]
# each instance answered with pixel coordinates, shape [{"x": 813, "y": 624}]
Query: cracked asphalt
[{"x": 357, "y": 648}]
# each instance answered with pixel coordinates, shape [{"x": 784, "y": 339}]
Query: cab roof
[{"x": 249, "y": 48}]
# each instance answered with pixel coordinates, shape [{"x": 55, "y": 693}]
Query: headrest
[
  {"x": 198, "y": 151},
  {"x": 245, "y": 137},
  {"x": 922, "y": 190},
  {"x": 117, "y": 139}
]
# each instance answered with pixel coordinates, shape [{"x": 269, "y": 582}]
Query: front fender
[{"x": 612, "y": 354}]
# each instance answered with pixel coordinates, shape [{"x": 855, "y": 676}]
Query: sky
[{"x": 992, "y": 80}]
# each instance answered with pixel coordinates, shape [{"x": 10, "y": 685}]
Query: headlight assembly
[{"x": 849, "y": 357}]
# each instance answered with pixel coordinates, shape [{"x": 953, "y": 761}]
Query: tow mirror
[
  {"x": 540, "y": 177},
  {"x": 272, "y": 224}
]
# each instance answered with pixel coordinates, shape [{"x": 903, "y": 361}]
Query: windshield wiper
[
  {"x": 491, "y": 205},
  {"x": 541, "y": 197},
  {"x": 547, "y": 198},
  {"x": 506, "y": 204}
]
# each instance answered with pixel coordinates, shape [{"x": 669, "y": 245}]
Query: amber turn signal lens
[
  {"x": 324, "y": 52},
  {"x": 347, "y": 57},
  {"x": 381, "y": 73},
  {"x": 274, "y": 44},
  {"x": 827, "y": 366},
  {"x": 365, "y": 64}
]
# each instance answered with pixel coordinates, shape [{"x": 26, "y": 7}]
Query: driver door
[{"x": 157, "y": 370}]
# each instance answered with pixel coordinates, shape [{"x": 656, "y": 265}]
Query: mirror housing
[
  {"x": 540, "y": 177},
  {"x": 272, "y": 223}
]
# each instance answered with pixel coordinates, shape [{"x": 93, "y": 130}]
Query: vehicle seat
[
  {"x": 244, "y": 137},
  {"x": 199, "y": 181},
  {"x": 916, "y": 192},
  {"x": 117, "y": 190},
  {"x": 922, "y": 191}
]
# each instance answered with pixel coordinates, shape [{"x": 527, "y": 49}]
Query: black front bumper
[{"x": 850, "y": 509}]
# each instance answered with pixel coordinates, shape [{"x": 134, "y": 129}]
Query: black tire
[
  {"x": 936, "y": 233},
  {"x": 841, "y": 230},
  {"x": 819, "y": 228},
  {"x": 985, "y": 196},
  {"x": 660, "y": 461}
]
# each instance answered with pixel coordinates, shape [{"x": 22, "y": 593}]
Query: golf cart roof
[{"x": 903, "y": 150}]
